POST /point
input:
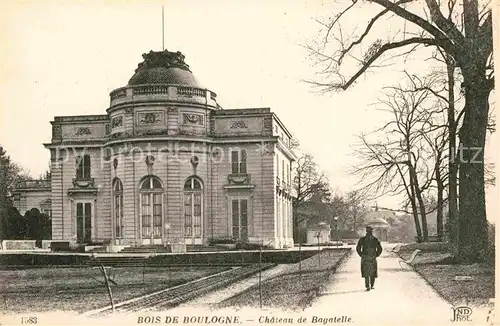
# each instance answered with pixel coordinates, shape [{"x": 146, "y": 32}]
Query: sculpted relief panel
[
  {"x": 150, "y": 118},
  {"x": 82, "y": 131},
  {"x": 238, "y": 126},
  {"x": 193, "y": 119},
  {"x": 117, "y": 122}
]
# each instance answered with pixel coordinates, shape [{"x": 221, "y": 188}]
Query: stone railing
[
  {"x": 28, "y": 184},
  {"x": 19, "y": 244},
  {"x": 166, "y": 92},
  {"x": 191, "y": 91}
]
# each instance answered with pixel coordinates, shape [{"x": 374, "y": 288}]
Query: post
[
  {"x": 338, "y": 235},
  {"x": 300, "y": 260},
  {"x": 106, "y": 280},
  {"x": 319, "y": 249},
  {"x": 260, "y": 273}
]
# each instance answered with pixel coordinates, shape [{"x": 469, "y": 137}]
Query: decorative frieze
[
  {"x": 239, "y": 124},
  {"x": 148, "y": 118},
  {"x": 268, "y": 123},
  {"x": 172, "y": 109},
  {"x": 56, "y": 132},
  {"x": 192, "y": 119},
  {"x": 147, "y": 132},
  {"x": 82, "y": 131},
  {"x": 82, "y": 118}
]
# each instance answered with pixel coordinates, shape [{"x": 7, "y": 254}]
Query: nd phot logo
[{"x": 461, "y": 313}]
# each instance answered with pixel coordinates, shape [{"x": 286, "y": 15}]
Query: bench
[
  {"x": 409, "y": 261},
  {"x": 396, "y": 249}
]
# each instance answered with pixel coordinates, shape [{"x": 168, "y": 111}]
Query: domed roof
[
  {"x": 378, "y": 222},
  {"x": 163, "y": 67}
]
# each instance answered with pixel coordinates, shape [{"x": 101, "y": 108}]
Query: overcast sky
[{"x": 64, "y": 59}]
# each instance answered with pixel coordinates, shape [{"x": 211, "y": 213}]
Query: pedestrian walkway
[{"x": 400, "y": 297}]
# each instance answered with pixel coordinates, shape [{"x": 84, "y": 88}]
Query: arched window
[
  {"x": 193, "y": 201},
  {"x": 151, "y": 207},
  {"x": 118, "y": 207}
]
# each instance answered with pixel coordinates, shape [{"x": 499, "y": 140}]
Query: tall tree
[
  {"x": 312, "y": 192},
  {"x": 464, "y": 32}
]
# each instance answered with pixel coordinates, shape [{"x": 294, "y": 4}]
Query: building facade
[{"x": 166, "y": 164}]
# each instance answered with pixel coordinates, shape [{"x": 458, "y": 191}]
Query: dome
[
  {"x": 378, "y": 223},
  {"x": 163, "y": 67}
]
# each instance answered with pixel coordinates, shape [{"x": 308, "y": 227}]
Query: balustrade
[{"x": 181, "y": 91}]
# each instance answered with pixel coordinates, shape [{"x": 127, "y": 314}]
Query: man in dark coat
[{"x": 369, "y": 249}]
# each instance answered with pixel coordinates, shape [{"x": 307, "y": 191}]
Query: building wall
[
  {"x": 173, "y": 134},
  {"x": 28, "y": 199}
]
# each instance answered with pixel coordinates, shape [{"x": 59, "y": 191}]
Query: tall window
[
  {"x": 239, "y": 161},
  {"x": 193, "y": 200},
  {"x": 239, "y": 209},
  {"x": 83, "y": 167},
  {"x": 283, "y": 170},
  {"x": 83, "y": 222},
  {"x": 118, "y": 207},
  {"x": 287, "y": 174},
  {"x": 151, "y": 207}
]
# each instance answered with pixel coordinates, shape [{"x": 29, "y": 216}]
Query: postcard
[{"x": 249, "y": 163}]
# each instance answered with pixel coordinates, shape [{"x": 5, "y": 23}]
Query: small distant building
[
  {"x": 377, "y": 219},
  {"x": 380, "y": 228},
  {"x": 319, "y": 233}
]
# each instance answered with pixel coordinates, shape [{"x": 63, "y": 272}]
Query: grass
[
  {"x": 438, "y": 269},
  {"x": 82, "y": 289},
  {"x": 295, "y": 288}
]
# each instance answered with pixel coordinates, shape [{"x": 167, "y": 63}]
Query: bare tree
[
  {"x": 462, "y": 30},
  {"x": 310, "y": 186},
  {"x": 412, "y": 155}
]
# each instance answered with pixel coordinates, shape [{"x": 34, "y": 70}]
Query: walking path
[{"x": 400, "y": 297}]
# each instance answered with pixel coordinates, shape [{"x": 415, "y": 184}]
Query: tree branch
[{"x": 382, "y": 50}]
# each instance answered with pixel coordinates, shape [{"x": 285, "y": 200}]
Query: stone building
[
  {"x": 166, "y": 164},
  {"x": 377, "y": 219},
  {"x": 33, "y": 194}
]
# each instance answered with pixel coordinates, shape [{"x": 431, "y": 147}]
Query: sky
[{"x": 64, "y": 58}]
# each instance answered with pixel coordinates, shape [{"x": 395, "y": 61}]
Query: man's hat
[{"x": 369, "y": 228}]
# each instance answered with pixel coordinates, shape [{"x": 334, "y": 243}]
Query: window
[
  {"x": 83, "y": 167},
  {"x": 83, "y": 222},
  {"x": 277, "y": 167},
  {"x": 118, "y": 207},
  {"x": 193, "y": 200},
  {"x": 239, "y": 209},
  {"x": 287, "y": 174},
  {"x": 239, "y": 161},
  {"x": 151, "y": 207},
  {"x": 283, "y": 170}
]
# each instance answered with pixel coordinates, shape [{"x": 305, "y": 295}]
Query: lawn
[
  {"x": 82, "y": 289},
  {"x": 293, "y": 289},
  {"x": 436, "y": 268}
]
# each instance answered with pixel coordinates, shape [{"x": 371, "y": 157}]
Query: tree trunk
[
  {"x": 414, "y": 210},
  {"x": 472, "y": 209},
  {"x": 452, "y": 164},
  {"x": 440, "y": 190},
  {"x": 421, "y": 206}
]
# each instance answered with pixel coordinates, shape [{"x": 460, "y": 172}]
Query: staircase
[{"x": 146, "y": 248}]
